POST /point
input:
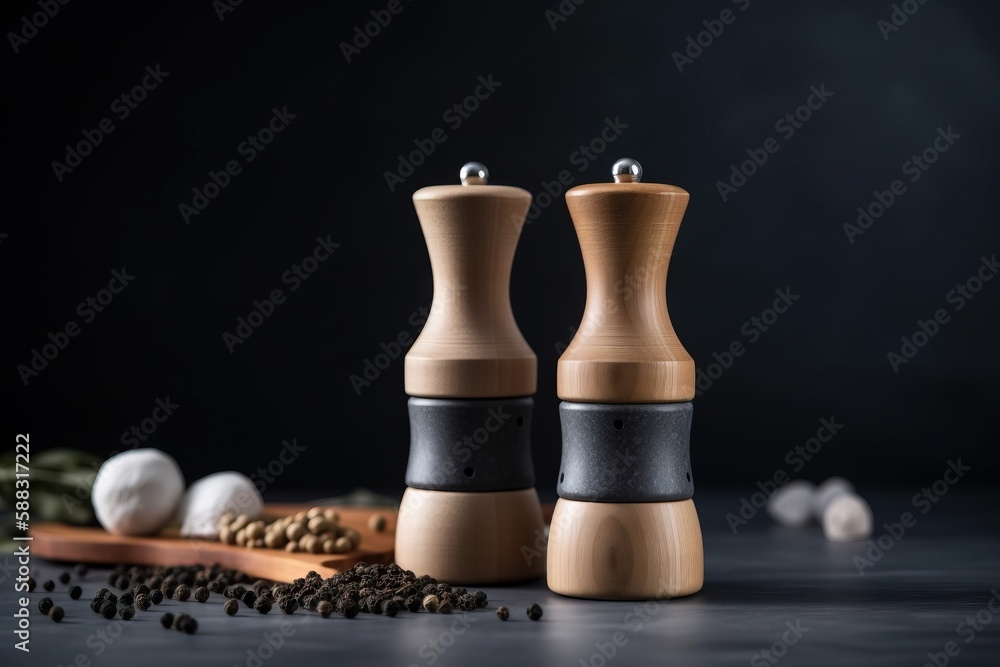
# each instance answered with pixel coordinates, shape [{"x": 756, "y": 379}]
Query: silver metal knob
[
  {"x": 474, "y": 173},
  {"x": 627, "y": 170}
]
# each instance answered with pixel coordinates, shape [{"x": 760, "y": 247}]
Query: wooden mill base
[
  {"x": 471, "y": 538},
  {"x": 625, "y": 551}
]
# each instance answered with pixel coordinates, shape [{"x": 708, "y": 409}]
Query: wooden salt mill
[
  {"x": 470, "y": 505},
  {"x": 625, "y": 527}
]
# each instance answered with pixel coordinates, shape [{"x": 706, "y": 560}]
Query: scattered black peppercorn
[
  {"x": 445, "y": 607},
  {"x": 534, "y": 612},
  {"x": 126, "y": 612},
  {"x": 108, "y": 610},
  {"x": 249, "y": 598},
  {"x": 101, "y": 593},
  {"x": 81, "y": 569},
  {"x": 31, "y": 584},
  {"x": 182, "y": 592},
  {"x": 178, "y": 619},
  {"x": 350, "y": 609},
  {"x": 413, "y": 603},
  {"x": 112, "y": 578},
  {"x": 201, "y": 595},
  {"x": 156, "y": 596},
  {"x": 288, "y": 604},
  {"x": 324, "y": 608},
  {"x": 75, "y": 592},
  {"x": 262, "y": 605},
  {"x": 140, "y": 589},
  {"x": 45, "y": 604},
  {"x": 481, "y": 599},
  {"x": 64, "y": 578},
  {"x": 111, "y": 597},
  {"x": 56, "y": 614},
  {"x": 49, "y": 585},
  {"x": 126, "y": 598},
  {"x": 96, "y": 604},
  {"x": 142, "y": 602},
  {"x": 121, "y": 582},
  {"x": 188, "y": 625},
  {"x": 167, "y": 620},
  {"x": 503, "y": 613},
  {"x": 231, "y": 607}
]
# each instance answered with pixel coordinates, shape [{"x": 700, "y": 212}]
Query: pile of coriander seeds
[{"x": 315, "y": 531}]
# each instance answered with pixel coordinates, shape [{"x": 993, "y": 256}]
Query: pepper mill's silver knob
[
  {"x": 474, "y": 173},
  {"x": 627, "y": 170}
]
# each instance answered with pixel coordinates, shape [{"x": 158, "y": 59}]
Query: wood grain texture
[
  {"x": 470, "y": 346},
  {"x": 625, "y": 350},
  {"x": 471, "y": 538},
  {"x": 625, "y": 551},
  {"x": 95, "y": 545}
]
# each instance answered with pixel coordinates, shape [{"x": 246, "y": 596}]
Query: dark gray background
[{"x": 324, "y": 176}]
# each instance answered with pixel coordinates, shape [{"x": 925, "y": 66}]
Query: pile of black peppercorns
[{"x": 364, "y": 588}]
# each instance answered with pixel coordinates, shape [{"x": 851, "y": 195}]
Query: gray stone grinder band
[
  {"x": 628, "y": 453},
  {"x": 470, "y": 444}
]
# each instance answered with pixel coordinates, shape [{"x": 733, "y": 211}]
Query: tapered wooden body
[
  {"x": 625, "y": 350},
  {"x": 471, "y": 346}
]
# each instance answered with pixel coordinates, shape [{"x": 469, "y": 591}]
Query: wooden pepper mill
[
  {"x": 625, "y": 527},
  {"x": 470, "y": 505}
]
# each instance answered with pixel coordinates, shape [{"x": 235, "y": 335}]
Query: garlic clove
[
  {"x": 791, "y": 505},
  {"x": 847, "y": 518}
]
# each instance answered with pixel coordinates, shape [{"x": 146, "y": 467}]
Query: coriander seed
[
  {"x": 503, "y": 613},
  {"x": 56, "y": 614},
  {"x": 534, "y": 612},
  {"x": 201, "y": 595},
  {"x": 231, "y": 607},
  {"x": 45, "y": 604}
]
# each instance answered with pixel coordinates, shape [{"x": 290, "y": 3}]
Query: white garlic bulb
[
  {"x": 137, "y": 492},
  {"x": 210, "y": 497}
]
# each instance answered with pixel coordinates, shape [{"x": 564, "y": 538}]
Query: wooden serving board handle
[{"x": 63, "y": 542}]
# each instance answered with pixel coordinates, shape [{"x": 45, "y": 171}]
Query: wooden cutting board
[{"x": 58, "y": 541}]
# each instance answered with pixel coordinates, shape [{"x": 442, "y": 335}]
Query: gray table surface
[{"x": 760, "y": 582}]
